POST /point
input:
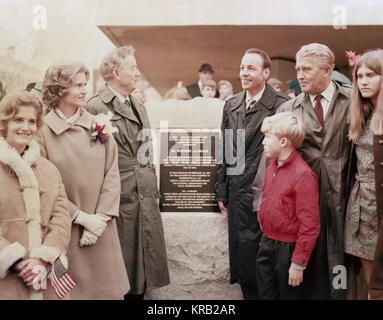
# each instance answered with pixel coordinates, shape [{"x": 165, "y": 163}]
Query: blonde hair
[
  {"x": 323, "y": 53},
  {"x": 11, "y": 103},
  {"x": 113, "y": 60},
  {"x": 360, "y": 108},
  {"x": 225, "y": 83},
  {"x": 209, "y": 83},
  {"x": 58, "y": 79},
  {"x": 274, "y": 81},
  {"x": 285, "y": 125}
]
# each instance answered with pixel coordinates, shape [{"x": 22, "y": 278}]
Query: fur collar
[
  {"x": 21, "y": 165},
  {"x": 28, "y": 183},
  {"x": 58, "y": 126}
]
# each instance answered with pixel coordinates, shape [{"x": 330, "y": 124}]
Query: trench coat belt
[{"x": 130, "y": 164}]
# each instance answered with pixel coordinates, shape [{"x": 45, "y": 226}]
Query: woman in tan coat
[
  {"x": 83, "y": 149},
  {"x": 34, "y": 219}
]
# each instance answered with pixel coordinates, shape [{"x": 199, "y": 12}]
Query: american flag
[{"x": 61, "y": 279}]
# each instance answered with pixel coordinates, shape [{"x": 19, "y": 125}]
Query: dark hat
[{"x": 206, "y": 67}]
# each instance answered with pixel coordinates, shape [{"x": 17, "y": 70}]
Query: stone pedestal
[
  {"x": 197, "y": 250},
  {"x": 196, "y": 242}
]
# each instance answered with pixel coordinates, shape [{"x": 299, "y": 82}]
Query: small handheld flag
[{"x": 61, "y": 279}]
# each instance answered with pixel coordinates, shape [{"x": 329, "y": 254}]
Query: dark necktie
[
  {"x": 129, "y": 106},
  {"x": 319, "y": 109},
  {"x": 127, "y": 103},
  {"x": 251, "y": 104}
]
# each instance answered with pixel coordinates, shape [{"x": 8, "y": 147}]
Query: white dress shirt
[
  {"x": 327, "y": 94},
  {"x": 118, "y": 95},
  {"x": 71, "y": 120},
  {"x": 257, "y": 97}
]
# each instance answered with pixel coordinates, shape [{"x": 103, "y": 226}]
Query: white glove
[
  {"x": 104, "y": 217},
  {"x": 88, "y": 238},
  {"x": 95, "y": 223}
]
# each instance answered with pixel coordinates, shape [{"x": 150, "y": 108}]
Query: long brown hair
[{"x": 361, "y": 108}]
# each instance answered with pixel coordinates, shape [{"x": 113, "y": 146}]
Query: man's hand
[
  {"x": 222, "y": 206},
  {"x": 295, "y": 276}
]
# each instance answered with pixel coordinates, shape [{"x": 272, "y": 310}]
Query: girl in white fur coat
[{"x": 34, "y": 219}]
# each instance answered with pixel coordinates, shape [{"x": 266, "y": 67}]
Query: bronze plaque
[{"x": 187, "y": 170}]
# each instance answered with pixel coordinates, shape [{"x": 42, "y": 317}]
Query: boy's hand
[
  {"x": 222, "y": 207},
  {"x": 259, "y": 223},
  {"x": 295, "y": 276}
]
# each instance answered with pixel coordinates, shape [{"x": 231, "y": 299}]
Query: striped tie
[{"x": 251, "y": 103}]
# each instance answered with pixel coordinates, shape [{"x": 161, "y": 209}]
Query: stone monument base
[{"x": 198, "y": 258}]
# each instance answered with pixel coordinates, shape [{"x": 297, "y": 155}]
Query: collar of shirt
[
  {"x": 200, "y": 84},
  {"x": 118, "y": 95},
  {"x": 327, "y": 97},
  {"x": 257, "y": 97},
  {"x": 71, "y": 120}
]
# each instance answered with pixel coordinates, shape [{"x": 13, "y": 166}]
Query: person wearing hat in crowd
[{"x": 205, "y": 73}]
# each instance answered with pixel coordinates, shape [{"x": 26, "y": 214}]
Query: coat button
[
  {"x": 141, "y": 196},
  {"x": 380, "y": 141},
  {"x": 381, "y": 164}
]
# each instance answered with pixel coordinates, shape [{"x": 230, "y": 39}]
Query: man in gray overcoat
[
  {"x": 243, "y": 114},
  {"x": 323, "y": 107},
  {"x": 139, "y": 223}
]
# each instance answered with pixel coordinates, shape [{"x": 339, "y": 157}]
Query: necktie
[
  {"x": 127, "y": 103},
  {"x": 129, "y": 106},
  {"x": 319, "y": 109},
  {"x": 251, "y": 103}
]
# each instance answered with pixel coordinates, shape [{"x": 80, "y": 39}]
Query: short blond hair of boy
[
  {"x": 285, "y": 125},
  {"x": 209, "y": 83}
]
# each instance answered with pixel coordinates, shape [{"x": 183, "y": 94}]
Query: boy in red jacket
[{"x": 289, "y": 212}]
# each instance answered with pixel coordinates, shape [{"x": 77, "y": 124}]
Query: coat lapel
[
  {"x": 335, "y": 104},
  {"x": 308, "y": 107},
  {"x": 107, "y": 96},
  {"x": 238, "y": 108},
  {"x": 58, "y": 126},
  {"x": 267, "y": 100},
  {"x": 141, "y": 112},
  {"x": 262, "y": 109},
  {"x": 124, "y": 111}
]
